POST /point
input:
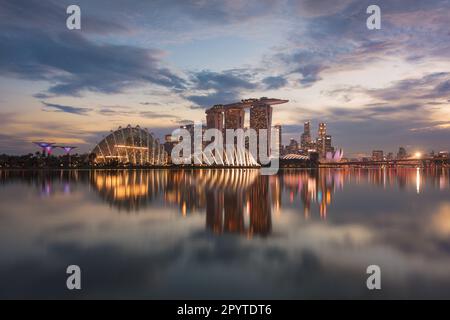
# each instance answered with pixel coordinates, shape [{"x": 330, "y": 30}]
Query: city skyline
[{"x": 159, "y": 64}]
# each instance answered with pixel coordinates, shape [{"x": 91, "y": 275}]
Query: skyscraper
[
  {"x": 322, "y": 140},
  {"x": 328, "y": 145},
  {"x": 322, "y": 130},
  {"x": 293, "y": 146},
  {"x": 277, "y": 127},
  {"x": 261, "y": 118},
  {"x": 305, "y": 140},
  {"x": 401, "y": 153},
  {"x": 377, "y": 155}
]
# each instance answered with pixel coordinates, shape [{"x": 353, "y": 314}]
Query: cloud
[
  {"x": 274, "y": 82},
  {"x": 429, "y": 86},
  {"x": 158, "y": 115},
  {"x": 50, "y": 15},
  {"x": 67, "y": 109},
  {"x": 75, "y": 64},
  {"x": 128, "y": 111},
  {"x": 315, "y": 8},
  {"x": 220, "y": 87},
  {"x": 35, "y": 45}
]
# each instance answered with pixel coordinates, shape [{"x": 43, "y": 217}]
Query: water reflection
[
  {"x": 299, "y": 234},
  {"x": 234, "y": 201}
]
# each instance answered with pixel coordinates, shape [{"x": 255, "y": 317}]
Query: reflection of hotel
[{"x": 247, "y": 212}]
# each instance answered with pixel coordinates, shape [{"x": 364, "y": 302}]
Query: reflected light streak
[{"x": 418, "y": 180}]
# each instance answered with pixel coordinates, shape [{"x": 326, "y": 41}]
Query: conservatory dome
[{"x": 130, "y": 145}]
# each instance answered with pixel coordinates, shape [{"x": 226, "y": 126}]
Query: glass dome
[{"x": 130, "y": 145}]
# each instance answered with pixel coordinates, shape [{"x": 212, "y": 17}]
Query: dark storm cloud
[{"x": 67, "y": 109}]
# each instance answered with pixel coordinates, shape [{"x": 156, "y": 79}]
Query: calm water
[{"x": 225, "y": 233}]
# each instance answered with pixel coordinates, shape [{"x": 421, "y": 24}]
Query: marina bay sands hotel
[{"x": 232, "y": 116}]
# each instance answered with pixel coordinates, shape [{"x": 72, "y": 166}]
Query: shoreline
[{"x": 342, "y": 166}]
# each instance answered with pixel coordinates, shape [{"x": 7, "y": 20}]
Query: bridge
[{"x": 413, "y": 162}]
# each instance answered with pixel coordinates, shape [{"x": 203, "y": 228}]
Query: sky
[{"x": 161, "y": 63}]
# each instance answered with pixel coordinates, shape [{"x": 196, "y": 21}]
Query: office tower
[
  {"x": 293, "y": 146},
  {"x": 377, "y": 155},
  {"x": 305, "y": 140},
  {"x": 322, "y": 130},
  {"x": 279, "y": 141},
  {"x": 328, "y": 146},
  {"x": 401, "y": 153},
  {"x": 307, "y": 128},
  {"x": 320, "y": 146},
  {"x": 321, "y": 141}
]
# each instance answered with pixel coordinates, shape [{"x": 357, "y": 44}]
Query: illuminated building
[
  {"x": 328, "y": 146},
  {"x": 322, "y": 130},
  {"x": 293, "y": 146},
  {"x": 306, "y": 140},
  {"x": 215, "y": 117},
  {"x": 261, "y": 118},
  {"x": 444, "y": 154},
  {"x": 402, "y": 153},
  {"x": 130, "y": 145},
  {"x": 321, "y": 142},
  {"x": 232, "y": 116},
  {"x": 279, "y": 145},
  {"x": 377, "y": 155}
]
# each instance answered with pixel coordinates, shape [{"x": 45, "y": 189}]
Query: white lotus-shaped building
[{"x": 335, "y": 156}]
